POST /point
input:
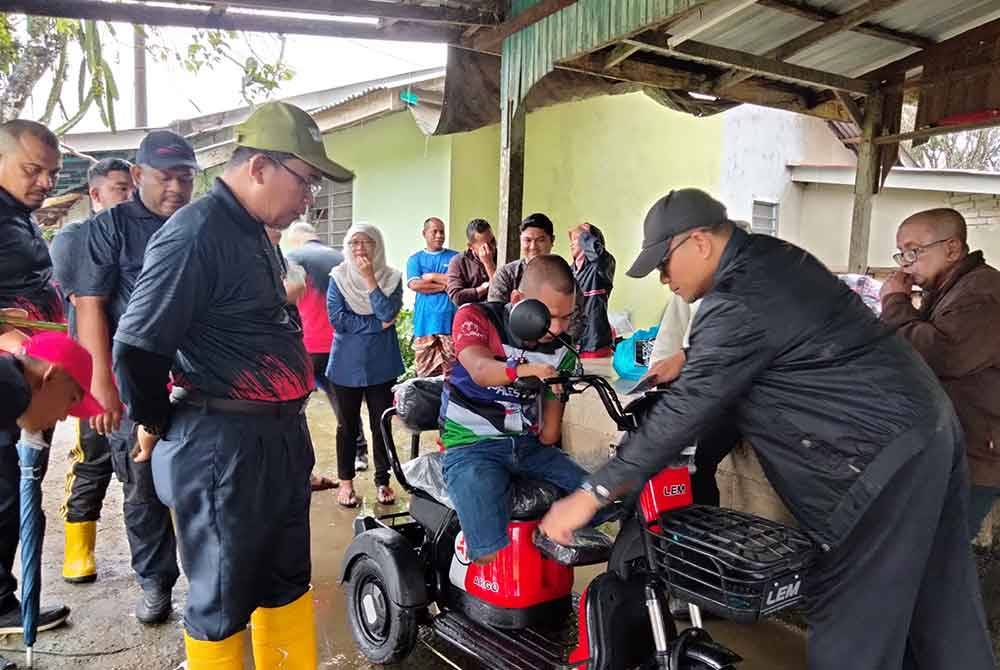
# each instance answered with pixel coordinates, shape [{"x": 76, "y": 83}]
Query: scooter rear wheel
[{"x": 383, "y": 631}]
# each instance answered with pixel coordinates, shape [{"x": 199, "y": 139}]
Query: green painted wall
[
  {"x": 401, "y": 178},
  {"x": 603, "y": 160},
  {"x": 475, "y": 180}
]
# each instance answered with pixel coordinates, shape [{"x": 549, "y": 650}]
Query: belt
[{"x": 244, "y": 407}]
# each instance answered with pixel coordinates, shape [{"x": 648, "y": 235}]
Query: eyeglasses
[
  {"x": 361, "y": 243},
  {"x": 665, "y": 263},
  {"x": 312, "y": 187},
  {"x": 908, "y": 256}
]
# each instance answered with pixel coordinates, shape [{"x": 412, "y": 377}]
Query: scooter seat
[{"x": 530, "y": 499}]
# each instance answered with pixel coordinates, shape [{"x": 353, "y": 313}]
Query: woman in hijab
[{"x": 364, "y": 297}]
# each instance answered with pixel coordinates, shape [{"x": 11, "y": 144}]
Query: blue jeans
[
  {"x": 479, "y": 476},
  {"x": 981, "y": 499}
]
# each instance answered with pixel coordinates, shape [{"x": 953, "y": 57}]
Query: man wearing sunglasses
[
  {"x": 955, "y": 331},
  {"x": 851, "y": 427}
]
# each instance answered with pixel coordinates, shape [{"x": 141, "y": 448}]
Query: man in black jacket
[
  {"x": 29, "y": 168},
  {"x": 851, "y": 427}
]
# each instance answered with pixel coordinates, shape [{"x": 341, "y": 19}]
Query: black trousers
[
  {"x": 712, "y": 448},
  {"x": 379, "y": 399},
  {"x": 320, "y": 362},
  {"x": 10, "y": 512},
  {"x": 901, "y": 591},
  {"x": 239, "y": 489},
  {"x": 88, "y": 476}
]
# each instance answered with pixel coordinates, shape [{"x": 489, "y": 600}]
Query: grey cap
[{"x": 676, "y": 212}]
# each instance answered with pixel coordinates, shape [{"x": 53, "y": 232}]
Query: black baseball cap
[
  {"x": 676, "y": 212},
  {"x": 165, "y": 149}
]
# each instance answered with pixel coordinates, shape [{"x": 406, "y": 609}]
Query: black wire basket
[{"x": 737, "y": 565}]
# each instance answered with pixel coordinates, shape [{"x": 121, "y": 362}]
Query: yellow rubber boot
[
  {"x": 223, "y": 655},
  {"x": 79, "y": 566},
  {"x": 285, "y": 637}
]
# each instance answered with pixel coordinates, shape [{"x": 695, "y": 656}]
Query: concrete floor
[{"x": 103, "y": 632}]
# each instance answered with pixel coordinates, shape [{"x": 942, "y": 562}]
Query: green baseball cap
[{"x": 278, "y": 126}]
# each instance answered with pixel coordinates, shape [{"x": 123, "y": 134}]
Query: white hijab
[{"x": 349, "y": 280}]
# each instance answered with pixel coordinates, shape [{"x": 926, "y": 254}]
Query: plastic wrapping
[
  {"x": 590, "y": 546},
  {"x": 427, "y": 474},
  {"x": 418, "y": 402},
  {"x": 530, "y": 498}
]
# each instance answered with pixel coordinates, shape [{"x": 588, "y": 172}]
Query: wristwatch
[{"x": 598, "y": 492}]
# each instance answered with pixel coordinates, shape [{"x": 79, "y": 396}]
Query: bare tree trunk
[{"x": 41, "y": 52}]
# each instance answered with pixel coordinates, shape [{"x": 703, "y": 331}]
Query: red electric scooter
[{"x": 407, "y": 570}]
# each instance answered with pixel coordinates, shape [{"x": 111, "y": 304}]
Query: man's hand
[
  {"x": 144, "y": 444},
  {"x": 388, "y": 324},
  {"x": 484, "y": 287},
  {"x": 367, "y": 271},
  {"x": 485, "y": 255},
  {"x": 668, "y": 369},
  {"x": 567, "y": 515},
  {"x": 899, "y": 282},
  {"x": 104, "y": 390}
]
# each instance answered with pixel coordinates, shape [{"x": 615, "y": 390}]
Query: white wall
[{"x": 758, "y": 145}]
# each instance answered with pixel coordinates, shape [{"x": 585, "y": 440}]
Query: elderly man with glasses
[{"x": 954, "y": 329}]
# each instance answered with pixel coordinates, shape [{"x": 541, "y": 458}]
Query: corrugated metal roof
[{"x": 758, "y": 29}]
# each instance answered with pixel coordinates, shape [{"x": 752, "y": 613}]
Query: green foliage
[{"x": 404, "y": 332}]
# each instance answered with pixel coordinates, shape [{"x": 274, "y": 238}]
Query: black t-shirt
[
  {"x": 210, "y": 296},
  {"x": 25, "y": 265},
  {"x": 112, "y": 254},
  {"x": 15, "y": 392}
]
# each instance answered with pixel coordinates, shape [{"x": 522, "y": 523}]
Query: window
[
  {"x": 331, "y": 213},
  {"x": 765, "y": 218}
]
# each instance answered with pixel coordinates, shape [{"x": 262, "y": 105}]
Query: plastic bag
[
  {"x": 418, "y": 402},
  {"x": 632, "y": 354},
  {"x": 866, "y": 287},
  {"x": 590, "y": 546},
  {"x": 427, "y": 474}
]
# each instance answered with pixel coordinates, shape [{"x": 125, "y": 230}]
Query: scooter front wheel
[{"x": 383, "y": 631}]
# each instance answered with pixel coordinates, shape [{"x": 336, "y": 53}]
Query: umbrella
[{"x": 29, "y": 453}]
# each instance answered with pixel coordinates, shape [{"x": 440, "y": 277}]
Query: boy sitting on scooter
[{"x": 490, "y": 429}]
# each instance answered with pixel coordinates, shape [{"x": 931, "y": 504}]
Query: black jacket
[
  {"x": 25, "y": 265},
  {"x": 595, "y": 280},
  {"x": 833, "y": 402}
]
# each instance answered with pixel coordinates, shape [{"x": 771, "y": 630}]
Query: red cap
[{"x": 62, "y": 350}]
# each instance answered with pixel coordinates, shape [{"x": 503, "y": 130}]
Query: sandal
[
  {"x": 386, "y": 496},
  {"x": 347, "y": 498},
  {"x": 321, "y": 483}
]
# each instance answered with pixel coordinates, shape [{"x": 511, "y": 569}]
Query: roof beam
[
  {"x": 988, "y": 32},
  {"x": 150, "y": 15},
  {"x": 850, "y": 106},
  {"x": 871, "y": 29},
  {"x": 368, "y": 8},
  {"x": 928, "y": 132},
  {"x": 768, "y": 94},
  {"x": 827, "y": 29},
  {"x": 755, "y": 65},
  {"x": 489, "y": 41},
  {"x": 704, "y": 17}
]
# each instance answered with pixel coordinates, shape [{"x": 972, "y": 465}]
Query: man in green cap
[{"x": 231, "y": 454}]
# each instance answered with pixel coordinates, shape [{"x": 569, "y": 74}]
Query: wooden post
[
  {"x": 866, "y": 181},
  {"x": 511, "y": 184},
  {"x": 139, "y": 67}
]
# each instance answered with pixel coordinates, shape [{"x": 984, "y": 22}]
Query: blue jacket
[{"x": 363, "y": 352}]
